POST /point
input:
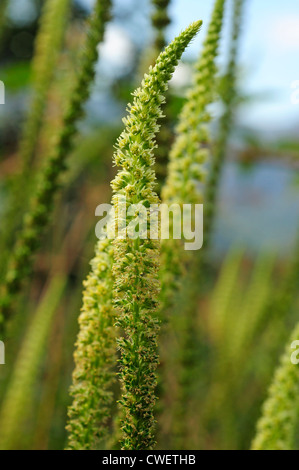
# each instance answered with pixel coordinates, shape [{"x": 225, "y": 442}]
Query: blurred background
[
  {"x": 261, "y": 193},
  {"x": 258, "y": 210}
]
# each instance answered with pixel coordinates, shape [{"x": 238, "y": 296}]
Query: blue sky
[{"x": 269, "y": 55}]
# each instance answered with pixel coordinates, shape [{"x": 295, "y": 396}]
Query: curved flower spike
[{"x": 137, "y": 261}]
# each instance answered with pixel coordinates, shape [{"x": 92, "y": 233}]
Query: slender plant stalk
[
  {"x": 137, "y": 261},
  {"x": 229, "y": 100},
  {"x": 42, "y": 201},
  {"x": 160, "y": 21},
  {"x": 276, "y": 428},
  {"x": 94, "y": 356},
  {"x": 17, "y": 402}
]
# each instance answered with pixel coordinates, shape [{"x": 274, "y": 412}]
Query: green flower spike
[
  {"x": 137, "y": 261},
  {"x": 189, "y": 151},
  {"x": 47, "y": 48},
  {"x": 42, "y": 201},
  {"x": 228, "y": 95}
]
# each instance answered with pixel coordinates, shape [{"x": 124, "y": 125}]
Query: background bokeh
[{"x": 258, "y": 210}]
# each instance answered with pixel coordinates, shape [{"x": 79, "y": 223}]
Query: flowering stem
[
  {"x": 137, "y": 261},
  {"x": 42, "y": 201}
]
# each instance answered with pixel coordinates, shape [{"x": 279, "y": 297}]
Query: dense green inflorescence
[
  {"x": 94, "y": 356},
  {"x": 186, "y": 173},
  {"x": 43, "y": 200},
  {"x": 189, "y": 151},
  {"x": 276, "y": 428},
  {"x": 136, "y": 261},
  {"x": 47, "y": 48}
]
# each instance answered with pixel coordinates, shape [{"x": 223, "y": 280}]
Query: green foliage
[
  {"x": 137, "y": 261},
  {"x": 18, "y": 400},
  {"x": 15, "y": 76},
  {"x": 43, "y": 198},
  {"x": 230, "y": 403}
]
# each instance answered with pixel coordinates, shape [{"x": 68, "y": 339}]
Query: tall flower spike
[
  {"x": 276, "y": 428},
  {"x": 136, "y": 262},
  {"x": 94, "y": 356},
  {"x": 189, "y": 153},
  {"x": 185, "y": 173},
  {"x": 42, "y": 201},
  {"x": 160, "y": 20},
  {"x": 47, "y": 48}
]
